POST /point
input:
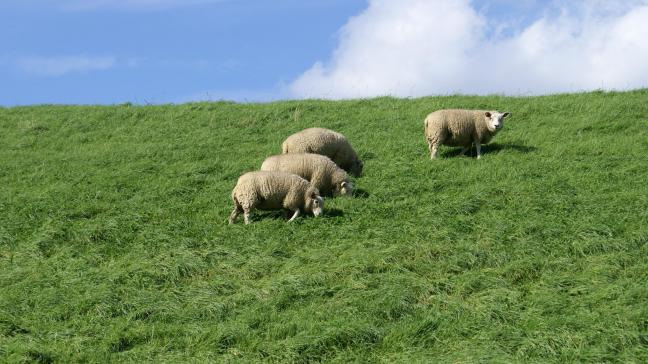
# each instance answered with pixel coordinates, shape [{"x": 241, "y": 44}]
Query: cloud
[
  {"x": 59, "y": 66},
  {"x": 426, "y": 47}
]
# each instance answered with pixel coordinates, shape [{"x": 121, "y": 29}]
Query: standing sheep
[
  {"x": 462, "y": 128},
  {"x": 322, "y": 173},
  {"x": 273, "y": 191},
  {"x": 325, "y": 142}
]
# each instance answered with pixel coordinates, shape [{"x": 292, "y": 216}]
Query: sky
[{"x": 175, "y": 51}]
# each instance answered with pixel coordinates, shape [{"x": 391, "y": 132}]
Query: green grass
[{"x": 114, "y": 244}]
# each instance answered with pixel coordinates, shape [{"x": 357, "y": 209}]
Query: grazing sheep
[
  {"x": 322, "y": 173},
  {"x": 462, "y": 128},
  {"x": 325, "y": 142},
  {"x": 273, "y": 191}
]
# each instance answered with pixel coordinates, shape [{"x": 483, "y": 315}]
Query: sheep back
[
  {"x": 325, "y": 142},
  {"x": 320, "y": 170},
  {"x": 266, "y": 190},
  {"x": 457, "y": 128}
]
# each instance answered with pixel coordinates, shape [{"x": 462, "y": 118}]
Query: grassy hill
[{"x": 114, "y": 244}]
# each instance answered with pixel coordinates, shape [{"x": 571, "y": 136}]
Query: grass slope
[{"x": 114, "y": 244}]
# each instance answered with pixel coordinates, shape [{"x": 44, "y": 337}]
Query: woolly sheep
[
  {"x": 322, "y": 173},
  {"x": 273, "y": 191},
  {"x": 325, "y": 142},
  {"x": 462, "y": 128}
]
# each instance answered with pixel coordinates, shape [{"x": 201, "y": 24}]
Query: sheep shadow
[
  {"x": 284, "y": 215},
  {"x": 360, "y": 193},
  {"x": 491, "y": 148},
  {"x": 518, "y": 148},
  {"x": 333, "y": 212},
  {"x": 260, "y": 215},
  {"x": 367, "y": 156}
]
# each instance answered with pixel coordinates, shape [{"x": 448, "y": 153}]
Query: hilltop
[{"x": 114, "y": 244}]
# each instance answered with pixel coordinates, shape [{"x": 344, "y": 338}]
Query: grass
[{"x": 114, "y": 244}]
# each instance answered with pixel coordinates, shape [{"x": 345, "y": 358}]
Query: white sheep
[
  {"x": 273, "y": 191},
  {"x": 325, "y": 142},
  {"x": 462, "y": 128},
  {"x": 320, "y": 170}
]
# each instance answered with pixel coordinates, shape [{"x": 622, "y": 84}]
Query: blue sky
[
  {"x": 162, "y": 53},
  {"x": 172, "y": 51}
]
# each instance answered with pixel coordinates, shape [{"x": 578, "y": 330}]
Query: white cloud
[
  {"x": 58, "y": 66},
  {"x": 424, "y": 47}
]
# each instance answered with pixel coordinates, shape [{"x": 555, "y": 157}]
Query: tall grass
[{"x": 114, "y": 244}]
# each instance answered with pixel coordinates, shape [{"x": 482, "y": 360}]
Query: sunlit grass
[{"x": 114, "y": 244}]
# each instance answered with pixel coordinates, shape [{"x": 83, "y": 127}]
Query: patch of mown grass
[{"x": 114, "y": 244}]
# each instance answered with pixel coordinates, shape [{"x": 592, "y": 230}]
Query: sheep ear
[
  {"x": 343, "y": 184},
  {"x": 488, "y": 114},
  {"x": 506, "y": 114}
]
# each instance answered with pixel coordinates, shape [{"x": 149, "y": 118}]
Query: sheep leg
[
  {"x": 237, "y": 210},
  {"x": 434, "y": 149},
  {"x": 465, "y": 149},
  {"x": 294, "y": 215},
  {"x": 234, "y": 215},
  {"x": 478, "y": 148},
  {"x": 246, "y": 216},
  {"x": 434, "y": 152}
]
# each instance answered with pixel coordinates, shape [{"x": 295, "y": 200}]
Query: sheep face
[
  {"x": 314, "y": 202},
  {"x": 356, "y": 168},
  {"x": 344, "y": 188},
  {"x": 495, "y": 120}
]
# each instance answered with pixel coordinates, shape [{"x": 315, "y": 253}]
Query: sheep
[
  {"x": 320, "y": 170},
  {"x": 462, "y": 128},
  {"x": 273, "y": 191},
  {"x": 325, "y": 142}
]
